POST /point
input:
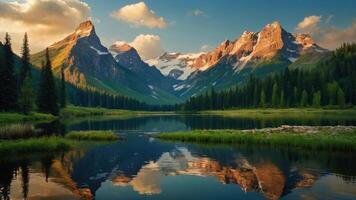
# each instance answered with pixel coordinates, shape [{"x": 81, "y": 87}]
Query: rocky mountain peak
[
  {"x": 258, "y": 46},
  {"x": 85, "y": 29},
  {"x": 270, "y": 40},
  {"x": 304, "y": 39},
  {"x": 274, "y": 24},
  {"x": 244, "y": 45}
]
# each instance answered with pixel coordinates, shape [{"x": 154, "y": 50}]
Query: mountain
[
  {"x": 253, "y": 53},
  {"x": 174, "y": 77},
  {"x": 88, "y": 64},
  {"x": 176, "y": 65},
  {"x": 128, "y": 57}
]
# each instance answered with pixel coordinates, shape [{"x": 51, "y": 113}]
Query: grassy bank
[
  {"x": 44, "y": 144},
  {"x": 6, "y": 117},
  {"x": 284, "y": 113},
  {"x": 16, "y": 131},
  {"x": 92, "y": 135},
  {"x": 321, "y": 140},
  {"x": 73, "y": 111}
]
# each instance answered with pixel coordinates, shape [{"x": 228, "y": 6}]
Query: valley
[{"x": 160, "y": 100}]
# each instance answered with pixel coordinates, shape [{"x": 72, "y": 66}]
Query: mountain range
[{"x": 174, "y": 77}]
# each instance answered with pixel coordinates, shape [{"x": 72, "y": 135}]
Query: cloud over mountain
[
  {"x": 44, "y": 20},
  {"x": 325, "y": 34},
  {"x": 148, "y": 46},
  {"x": 309, "y": 23},
  {"x": 139, "y": 15}
]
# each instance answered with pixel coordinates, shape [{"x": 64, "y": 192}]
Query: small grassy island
[
  {"x": 305, "y": 137},
  {"x": 92, "y": 135},
  {"x": 11, "y": 117},
  {"x": 27, "y": 140},
  {"x": 42, "y": 144}
]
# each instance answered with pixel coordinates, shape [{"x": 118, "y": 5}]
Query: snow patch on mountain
[
  {"x": 99, "y": 52},
  {"x": 176, "y": 65}
]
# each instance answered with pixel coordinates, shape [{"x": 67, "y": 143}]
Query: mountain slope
[
  {"x": 232, "y": 62},
  {"x": 128, "y": 57},
  {"x": 88, "y": 64}
]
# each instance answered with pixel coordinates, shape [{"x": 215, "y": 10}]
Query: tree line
[
  {"x": 90, "y": 97},
  {"x": 331, "y": 83}
]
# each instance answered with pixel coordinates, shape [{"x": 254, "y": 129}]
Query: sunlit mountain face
[{"x": 174, "y": 77}]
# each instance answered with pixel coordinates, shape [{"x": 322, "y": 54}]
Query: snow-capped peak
[{"x": 176, "y": 65}]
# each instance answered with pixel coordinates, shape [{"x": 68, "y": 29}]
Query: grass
[
  {"x": 6, "y": 117},
  {"x": 269, "y": 113},
  {"x": 92, "y": 135},
  {"x": 323, "y": 140},
  {"x": 16, "y": 131},
  {"x": 74, "y": 111},
  {"x": 43, "y": 144}
]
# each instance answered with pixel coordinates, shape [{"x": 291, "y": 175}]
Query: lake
[{"x": 141, "y": 167}]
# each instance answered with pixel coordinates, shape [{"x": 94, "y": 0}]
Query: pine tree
[
  {"x": 63, "y": 96},
  {"x": 295, "y": 97},
  {"x": 262, "y": 99},
  {"x": 25, "y": 102},
  {"x": 317, "y": 99},
  {"x": 47, "y": 101},
  {"x": 8, "y": 86},
  {"x": 275, "y": 95},
  {"x": 304, "y": 99},
  {"x": 255, "y": 96},
  {"x": 281, "y": 101},
  {"x": 25, "y": 59},
  {"x": 340, "y": 97},
  {"x": 332, "y": 92}
]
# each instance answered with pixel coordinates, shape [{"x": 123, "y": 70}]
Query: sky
[{"x": 156, "y": 26}]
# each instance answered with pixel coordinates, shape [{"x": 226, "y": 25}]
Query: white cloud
[
  {"x": 45, "y": 20},
  {"x": 325, "y": 34},
  {"x": 309, "y": 23},
  {"x": 139, "y": 15},
  {"x": 147, "y": 46},
  {"x": 332, "y": 37}
]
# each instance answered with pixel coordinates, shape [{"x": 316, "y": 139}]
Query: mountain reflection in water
[{"x": 141, "y": 167}]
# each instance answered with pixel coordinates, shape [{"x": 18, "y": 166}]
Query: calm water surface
[{"x": 141, "y": 167}]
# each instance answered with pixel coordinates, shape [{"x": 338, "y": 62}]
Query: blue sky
[
  {"x": 330, "y": 22},
  {"x": 223, "y": 19}
]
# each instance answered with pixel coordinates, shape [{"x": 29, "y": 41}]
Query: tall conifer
[
  {"x": 8, "y": 86},
  {"x": 47, "y": 100}
]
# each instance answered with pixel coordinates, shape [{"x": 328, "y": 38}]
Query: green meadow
[{"x": 322, "y": 140}]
